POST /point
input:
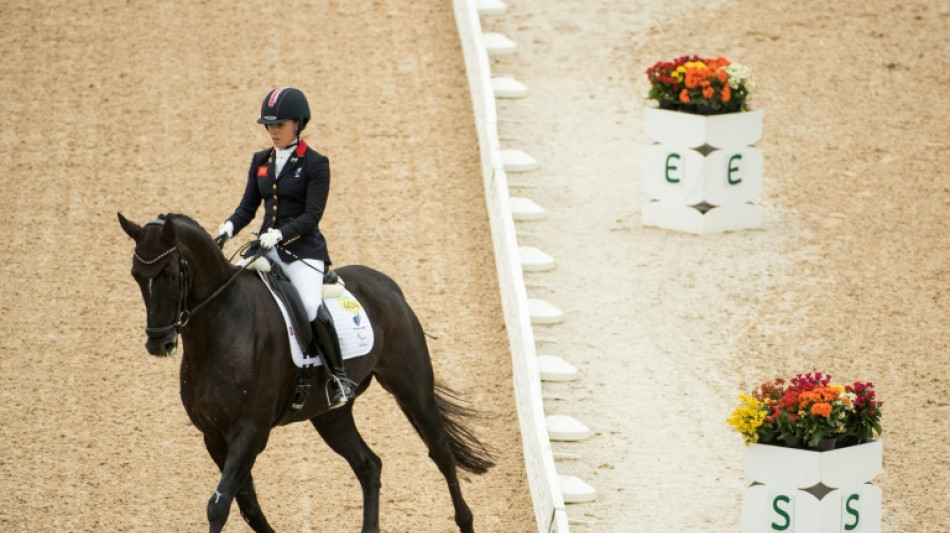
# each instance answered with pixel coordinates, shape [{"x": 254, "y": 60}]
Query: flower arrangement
[
  {"x": 808, "y": 411},
  {"x": 703, "y": 86}
]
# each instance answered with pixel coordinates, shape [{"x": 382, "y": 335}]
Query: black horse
[{"x": 236, "y": 368}]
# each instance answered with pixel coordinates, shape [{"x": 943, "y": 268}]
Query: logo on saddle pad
[{"x": 349, "y": 303}]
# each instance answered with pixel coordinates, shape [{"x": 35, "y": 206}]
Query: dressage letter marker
[
  {"x": 702, "y": 173},
  {"x": 807, "y": 491}
]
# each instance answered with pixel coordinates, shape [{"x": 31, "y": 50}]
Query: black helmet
[{"x": 283, "y": 104}]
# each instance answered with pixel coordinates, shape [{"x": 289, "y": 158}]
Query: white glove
[
  {"x": 269, "y": 239},
  {"x": 226, "y": 229}
]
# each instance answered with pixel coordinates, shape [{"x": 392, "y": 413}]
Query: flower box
[
  {"x": 807, "y": 491},
  {"x": 729, "y": 130},
  {"x": 796, "y": 485},
  {"x": 690, "y": 219},
  {"x": 702, "y": 173},
  {"x": 795, "y": 467}
]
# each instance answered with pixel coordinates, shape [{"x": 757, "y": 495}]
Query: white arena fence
[{"x": 550, "y": 514}]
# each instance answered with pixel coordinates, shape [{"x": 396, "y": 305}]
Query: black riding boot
[{"x": 339, "y": 387}]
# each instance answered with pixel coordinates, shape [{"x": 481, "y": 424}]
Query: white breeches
[{"x": 307, "y": 277}]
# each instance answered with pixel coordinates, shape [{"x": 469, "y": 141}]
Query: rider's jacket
[{"x": 294, "y": 201}]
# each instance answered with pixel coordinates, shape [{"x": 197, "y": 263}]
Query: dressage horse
[{"x": 236, "y": 368}]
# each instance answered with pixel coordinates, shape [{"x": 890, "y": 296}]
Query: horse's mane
[
  {"x": 194, "y": 234},
  {"x": 189, "y": 224}
]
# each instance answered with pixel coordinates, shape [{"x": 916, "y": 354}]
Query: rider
[{"x": 293, "y": 182}]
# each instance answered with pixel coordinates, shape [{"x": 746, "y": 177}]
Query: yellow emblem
[{"x": 348, "y": 303}]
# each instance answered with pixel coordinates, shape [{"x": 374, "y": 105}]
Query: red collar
[{"x": 300, "y": 151}]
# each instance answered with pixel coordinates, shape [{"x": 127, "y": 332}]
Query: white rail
[{"x": 546, "y": 495}]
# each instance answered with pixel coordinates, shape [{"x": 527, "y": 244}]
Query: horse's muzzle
[{"x": 163, "y": 345}]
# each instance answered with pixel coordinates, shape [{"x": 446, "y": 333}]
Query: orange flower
[
  {"x": 708, "y": 92},
  {"x": 691, "y": 79},
  {"x": 807, "y": 397},
  {"x": 726, "y": 93},
  {"x": 684, "y": 96},
  {"x": 821, "y": 409},
  {"x": 722, "y": 75},
  {"x": 827, "y": 394}
]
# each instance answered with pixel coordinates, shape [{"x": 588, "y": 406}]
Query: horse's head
[{"x": 162, "y": 272}]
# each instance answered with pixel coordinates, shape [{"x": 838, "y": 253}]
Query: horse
[{"x": 236, "y": 369}]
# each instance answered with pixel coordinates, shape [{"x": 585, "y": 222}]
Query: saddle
[
  {"x": 288, "y": 294},
  {"x": 285, "y": 290}
]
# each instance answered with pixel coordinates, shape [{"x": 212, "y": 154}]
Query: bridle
[
  {"x": 184, "y": 287},
  {"x": 184, "y": 314}
]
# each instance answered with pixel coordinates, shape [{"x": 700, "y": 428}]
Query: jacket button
[{"x": 275, "y": 208}]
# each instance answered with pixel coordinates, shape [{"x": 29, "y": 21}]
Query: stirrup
[{"x": 343, "y": 389}]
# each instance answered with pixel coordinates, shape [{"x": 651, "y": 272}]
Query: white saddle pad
[{"x": 351, "y": 322}]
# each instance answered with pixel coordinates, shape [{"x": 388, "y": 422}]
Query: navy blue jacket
[{"x": 293, "y": 202}]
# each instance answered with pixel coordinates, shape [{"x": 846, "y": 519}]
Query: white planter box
[
  {"x": 719, "y": 131},
  {"x": 688, "y": 219},
  {"x": 702, "y": 160},
  {"x": 808, "y": 491}
]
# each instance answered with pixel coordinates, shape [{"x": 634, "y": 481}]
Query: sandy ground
[
  {"x": 848, "y": 274},
  {"x": 149, "y": 107}
]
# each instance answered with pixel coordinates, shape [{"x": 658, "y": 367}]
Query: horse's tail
[{"x": 470, "y": 453}]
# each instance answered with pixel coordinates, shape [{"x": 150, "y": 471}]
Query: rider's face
[{"x": 282, "y": 134}]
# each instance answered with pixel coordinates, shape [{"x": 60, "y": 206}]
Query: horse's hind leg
[
  {"x": 431, "y": 416},
  {"x": 338, "y": 429},
  {"x": 220, "y": 503},
  {"x": 427, "y": 420}
]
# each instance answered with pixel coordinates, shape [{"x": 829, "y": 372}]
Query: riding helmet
[{"x": 283, "y": 104}]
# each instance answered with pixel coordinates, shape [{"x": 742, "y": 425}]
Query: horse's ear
[
  {"x": 168, "y": 230},
  {"x": 131, "y": 228}
]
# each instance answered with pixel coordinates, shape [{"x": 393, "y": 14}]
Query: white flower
[{"x": 741, "y": 75}]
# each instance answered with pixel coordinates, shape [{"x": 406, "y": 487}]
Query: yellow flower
[{"x": 747, "y": 418}]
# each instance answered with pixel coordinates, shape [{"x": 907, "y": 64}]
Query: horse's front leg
[{"x": 239, "y": 456}]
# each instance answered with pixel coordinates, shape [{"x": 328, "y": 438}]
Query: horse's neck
[{"x": 209, "y": 272}]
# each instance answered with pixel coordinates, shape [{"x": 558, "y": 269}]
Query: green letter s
[
  {"x": 852, "y": 511},
  {"x": 788, "y": 520}
]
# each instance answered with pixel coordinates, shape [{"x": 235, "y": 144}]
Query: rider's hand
[
  {"x": 226, "y": 229},
  {"x": 271, "y": 238}
]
